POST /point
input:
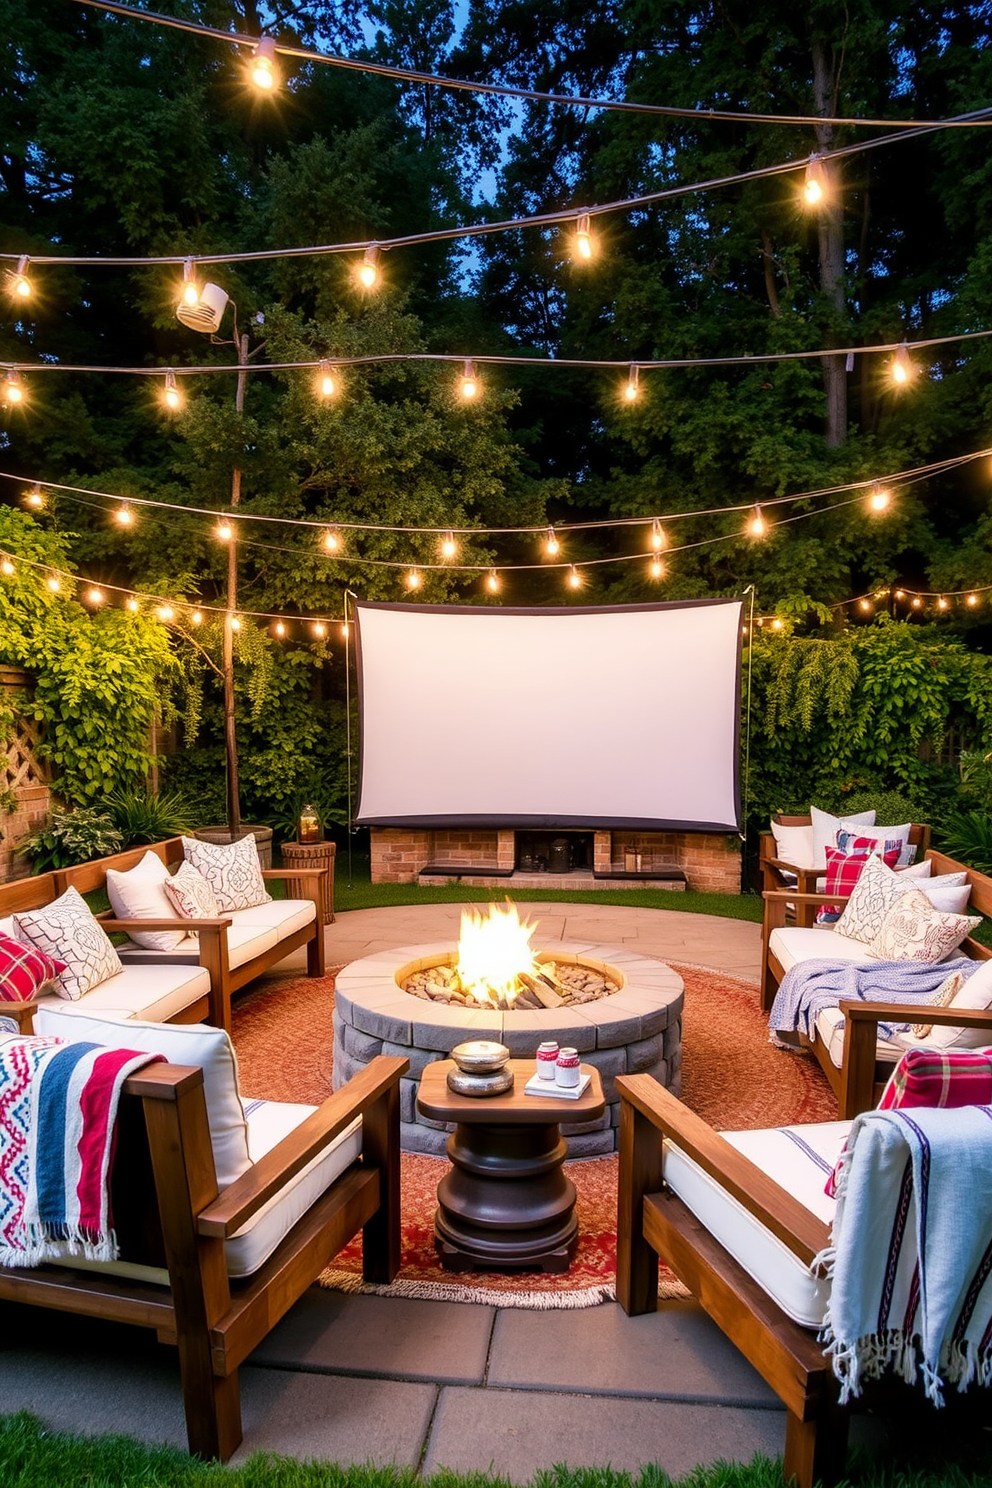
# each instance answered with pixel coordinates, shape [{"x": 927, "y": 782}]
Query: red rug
[{"x": 731, "y": 1075}]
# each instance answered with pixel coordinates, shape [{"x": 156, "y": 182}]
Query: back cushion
[
  {"x": 139, "y": 894},
  {"x": 825, "y": 829},
  {"x": 794, "y": 844},
  {"x": 192, "y": 1043}
]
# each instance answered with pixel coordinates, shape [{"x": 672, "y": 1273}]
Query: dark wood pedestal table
[{"x": 505, "y": 1200}]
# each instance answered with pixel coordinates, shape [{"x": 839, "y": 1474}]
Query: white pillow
[
  {"x": 794, "y": 844},
  {"x": 913, "y": 872},
  {"x": 231, "y": 869},
  {"x": 952, "y": 898},
  {"x": 182, "y": 1043},
  {"x": 67, "y": 930},
  {"x": 826, "y": 827},
  {"x": 976, "y": 994},
  {"x": 139, "y": 894}
]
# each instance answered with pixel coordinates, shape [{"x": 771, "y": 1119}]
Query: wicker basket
[{"x": 315, "y": 855}]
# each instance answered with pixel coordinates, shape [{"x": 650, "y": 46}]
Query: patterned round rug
[{"x": 731, "y": 1075}]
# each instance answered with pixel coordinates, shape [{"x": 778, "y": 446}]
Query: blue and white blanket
[
  {"x": 811, "y": 986},
  {"x": 911, "y": 1250}
]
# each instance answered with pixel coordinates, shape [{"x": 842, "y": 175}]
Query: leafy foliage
[
  {"x": 967, "y": 836},
  {"x": 150, "y": 816},
  {"x": 75, "y": 836}
]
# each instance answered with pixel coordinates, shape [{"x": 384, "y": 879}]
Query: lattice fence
[{"x": 23, "y": 775}]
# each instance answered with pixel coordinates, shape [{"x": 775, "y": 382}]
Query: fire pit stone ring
[{"x": 637, "y": 1029}]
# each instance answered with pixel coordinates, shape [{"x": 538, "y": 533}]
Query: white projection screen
[{"x": 614, "y": 717}]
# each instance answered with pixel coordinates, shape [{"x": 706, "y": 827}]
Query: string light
[
  {"x": 942, "y": 603},
  {"x": 196, "y": 617},
  {"x": 899, "y": 594},
  {"x": 657, "y": 569},
  {"x": 492, "y": 581},
  {"x": 6, "y": 567},
  {"x": 53, "y": 582},
  {"x": 449, "y": 547},
  {"x": 972, "y": 600},
  {"x": 191, "y": 290},
  {"x": 319, "y": 629},
  {"x": 224, "y": 530},
  {"x": 583, "y": 238},
  {"x": 18, "y": 283},
  {"x": 166, "y": 613},
  {"x": 279, "y": 629},
  {"x": 574, "y": 578},
  {"x": 13, "y": 388},
  {"x": 879, "y": 499},
  {"x": 902, "y": 366},
  {"x": 235, "y": 623},
  {"x": 815, "y": 183},
  {"x": 368, "y": 269},
  {"x": 551, "y": 544},
  {"x": 124, "y": 516},
  {"x": 469, "y": 383},
  {"x": 864, "y": 605},
  {"x": 34, "y": 498},
  {"x": 263, "y": 71},
  {"x": 326, "y": 385},
  {"x": 132, "y": 605},
  {"x": 757, "y": 526},
  {"x": 172, "y": 397},
  {"x": 916, "y": 602},
  {"x": 631, "y": 390},
  {"x": 345, "y": 630},
  {"x": 778, "y": 624},
  {"x": 413, "y": 579},
  {"x": 95, "y": 596},
  {"x": 658, "y": 538},
  {"x": 332, "y": 540}
]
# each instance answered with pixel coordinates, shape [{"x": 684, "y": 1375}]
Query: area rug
[{"x": 731, "y": 1076}]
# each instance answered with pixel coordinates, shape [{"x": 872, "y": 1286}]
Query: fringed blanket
[
  {"x": 811, "y": 986},
  {"x": 911, "y": 1250},
  {"x": 58, "y": 1111}
]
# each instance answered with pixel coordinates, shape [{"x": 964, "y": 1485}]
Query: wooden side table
[
  {"x": 316, "y": 855},
  {"x": 505, "y": 1200}
]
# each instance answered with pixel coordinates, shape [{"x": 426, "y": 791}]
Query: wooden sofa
[
  {"x": 778, "y": 873},
  {"x": 172, "y": 1220},
  {"x": 194, "y": 983},
  {"x": 782, "y": 944}
]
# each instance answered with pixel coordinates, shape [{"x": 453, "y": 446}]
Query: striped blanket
[
  {"x": 58, "y": 1111},
  {"x": 911, "y": 1250}
]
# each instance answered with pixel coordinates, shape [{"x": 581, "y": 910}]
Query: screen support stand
[{"x": 347, "y": 718}]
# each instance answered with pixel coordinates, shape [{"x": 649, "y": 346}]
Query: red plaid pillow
[
  {"x": 24, "y": 970},
  {"x": 844, "y": 870}
]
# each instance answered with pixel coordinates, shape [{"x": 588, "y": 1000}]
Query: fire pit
[{"x": 632, "y": 1025}]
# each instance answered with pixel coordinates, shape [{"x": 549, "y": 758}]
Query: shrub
[
  {"x": 71, "y": 837},
  {"x": 967, "y": 836},
  {"x": 147, "y": 816}
]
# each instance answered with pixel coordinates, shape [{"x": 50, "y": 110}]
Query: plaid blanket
[
  {"x": 58, "y": 1110},
  {"x": 911, "y": 1250},
  {"x": 931, "y": 1077}
]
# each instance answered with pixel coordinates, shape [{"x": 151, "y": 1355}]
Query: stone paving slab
[
  {"x": 395, "y": 1337},
  {"x": 334, "y": 1417},
  {"x": 516, "y": 1434}
]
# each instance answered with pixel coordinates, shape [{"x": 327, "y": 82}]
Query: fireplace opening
[{"x": 554, "y": 852}]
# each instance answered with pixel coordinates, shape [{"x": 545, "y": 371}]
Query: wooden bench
[{"x": 777, "y": 873}]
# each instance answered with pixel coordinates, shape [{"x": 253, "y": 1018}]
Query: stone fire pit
[{"x": 635, "y": 1029}]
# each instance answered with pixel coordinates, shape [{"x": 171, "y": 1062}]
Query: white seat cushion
[
  {"x": 284, "y": 916},
  {"x": 792, "y": 943},
  {"x": 244, "y": 943},
  {"x": 156, "y": 993},
  {"x": 799, "y": 1159},
  {"x": 830, "y": 1024}
]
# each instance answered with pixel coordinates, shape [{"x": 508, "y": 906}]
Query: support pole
[{"x": 230, "y": 731}]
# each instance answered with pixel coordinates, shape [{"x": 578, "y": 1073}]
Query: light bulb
[
  {"x": 552, "y": 546},
  {"x": 6, "y": 567},
  {"x": 94, "y": 596},
  {"x": 53, "y": 583},
  {"x": 34, "y": 498},
  {"x": 166, "y": 613},
  {"x": 224, "y": 530},
  {"x": 332, "y": 541},
  {"x": 235, "y": 623},
  {"x": 899, "y": 594},
  {"x": 191, "y": 290},
  {"x": 368, "y": 269},
  {"x": 413, "y": 579},
  {"x": 943, "y": 604},
  {"x": 631, "y": 389},
  {"x": 469, "y": 383},
  {"x": 345, "y": 629},
  {"x": 815, "y": 184},
  {"x": 902, "y": 367},
  {"x": 865, "y": 605},
  {"x": 449, "y": 547},
  {"x": 658, "y": 538},
  {"x": 757, "y": 526},
  {"x": 574, "y": 578},
  {"x": 263, "y": 70},
  {"x": 319, "y": 629},
  {"x": 325, "y": 380},
  {"x": 124, "y": 516},
  {"x": 492, "y": 581},
  {"x": 583, "y": 238},
  {"x": 172, "y": 397},
  {"x": 972, "y": 600},
  {"x": 279, "y": 628},
  {"x": 13, "y": 391},
  {"x": 132, "y": 605},
  {"x": 657, "y": 569},
  {"x": 777, "y": 624},
  {"x": 20, "y": 284},
  {"x": 916, "y": 602},
  {"x": 196, "y": 617},
  {"x": 879, "y": 500}
]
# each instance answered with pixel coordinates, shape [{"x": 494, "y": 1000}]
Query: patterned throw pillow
[
  {"x": 945, "y": 993},
  {"x": 913, "y": 930},
  {"x": 232, "y": 870},
  {"x": 24, "y": 971},
  {"x": 876, "y": 890},
  {"x": 67, "y": 930},
  {"x": 191, "y": 894},
  {"x": 844, "y": 867}
]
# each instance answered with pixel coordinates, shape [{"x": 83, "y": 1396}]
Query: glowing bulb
[
  {"x": 469, "y": 384},
  {"x": 53, "y": 583},
  {"x": 279, "y": 629},
  {"x": 224, "y": 530},
  {"x": 368, "y": 269},
  {"x": 413, "y": 579},
  {"x": 879, "y": 500},
  {"x": 196, "y": 617},
  {"x": 916, "y": 602},
  {"x": 757, "y": 526},
  {"x": 492, "y": 581},
  {"x": 345, "y": 629},
  {"x": 172, "y": 397},
  {"x": 777, "y": 624},
  {"x": 574, "y": 578},
  {"x": 34, "y": 498},
  {"x": 449, "y": 547},
  {"x": 865, "y": 605},
  {"x": 902, "y": 367},
  {"x": 6, "y": 567},
  {"x": 191, "y": 290},
  {"x": 13, "y": 392},
  {"x": 166, "y": 613},
  {"x": 263, "y": 71},
  {"x": 124, "y": 516},
  {"x": 552, "y": 546},
  {"x": 319, "y": 629},
  {"x": 631, "y": 390},
  {"x": 235, "y": 623},
  {"x": 815, "y": 184},
  {"x": 20, "y": 284},
  {"x": 583, "y": 237},
  {"x": 657, "y": 569},
  {"x": 972, "y": 600},
  {"x": 132, "y": 605},
  {"x": 658, "y": 538},
  {"x": 325, "y": 382},
  {"x": 899, "y": 594},
  {"x": 943, "y": 604},
  {"x": 332, "y": 541},
  {"x": 94, "y": 596}
]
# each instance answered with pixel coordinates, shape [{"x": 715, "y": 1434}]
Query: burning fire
[{"x": 493, "y": 950}]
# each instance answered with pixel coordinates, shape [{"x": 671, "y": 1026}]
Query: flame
[{"x": 493, "y": 949}]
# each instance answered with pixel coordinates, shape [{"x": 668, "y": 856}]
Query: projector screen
[{"x": 619, "y": 717}]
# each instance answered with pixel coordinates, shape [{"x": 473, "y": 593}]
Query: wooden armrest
[
  {"x": 788, "y": 867},
  {"x": 901, "y": 1012},
  {"x": 180, "y": 923},
  {"x": 162, "y": 1081},
  {"x": 21, "y": 1012},
  {"x": 775, "y": 1208},
  {"x": 292, "y": 873},
  {"x": 246, "y": 1195},
  {"x": 793, "y": 896}
]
